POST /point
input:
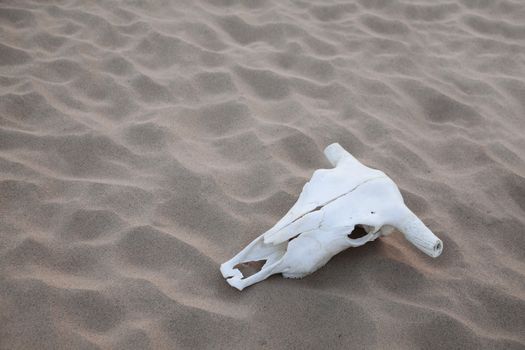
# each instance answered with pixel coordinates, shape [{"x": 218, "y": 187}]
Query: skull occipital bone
[{"x": 318, "y": 225}]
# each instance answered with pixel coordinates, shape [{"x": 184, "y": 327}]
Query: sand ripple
[{"x": 144, "y": 143}]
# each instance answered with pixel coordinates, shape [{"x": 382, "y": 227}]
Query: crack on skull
[
  {"x": 294, "y": 237},
  {"x": 321, "y": 206}
]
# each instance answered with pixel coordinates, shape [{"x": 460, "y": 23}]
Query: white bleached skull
[{"x": 332, "y": 204}]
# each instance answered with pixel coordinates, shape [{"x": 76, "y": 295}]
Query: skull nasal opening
[{"x": 249, "y": 268}]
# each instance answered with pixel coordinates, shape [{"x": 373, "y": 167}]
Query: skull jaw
[
  {"x": 301, "y": 257},
  {"x": 295, "y": 259},
  {"x": 256, "y": 250}
]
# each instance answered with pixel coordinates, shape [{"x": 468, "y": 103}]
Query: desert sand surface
[{"x": 143, "y": 143}]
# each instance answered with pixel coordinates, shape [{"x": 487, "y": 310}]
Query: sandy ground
[{"x": 144, "y": 143}]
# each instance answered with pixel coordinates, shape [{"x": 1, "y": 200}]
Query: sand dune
[{"x": 144, "y": 143}]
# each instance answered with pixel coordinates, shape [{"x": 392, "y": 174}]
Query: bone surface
[{"x": 319, "y": 225}]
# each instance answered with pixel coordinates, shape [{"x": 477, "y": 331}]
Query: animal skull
[{"x": 318, "y": 226}]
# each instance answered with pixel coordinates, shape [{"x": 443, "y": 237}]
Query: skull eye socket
[{"x": 358, "y": 232}]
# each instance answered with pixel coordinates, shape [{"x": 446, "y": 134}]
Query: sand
[{"x": 143, "y": 143}]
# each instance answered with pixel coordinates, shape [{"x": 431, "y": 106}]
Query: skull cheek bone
[{"x": 318, "y": 226}]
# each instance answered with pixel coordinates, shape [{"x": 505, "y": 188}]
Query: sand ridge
[{"x": 144, "y": 143}]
